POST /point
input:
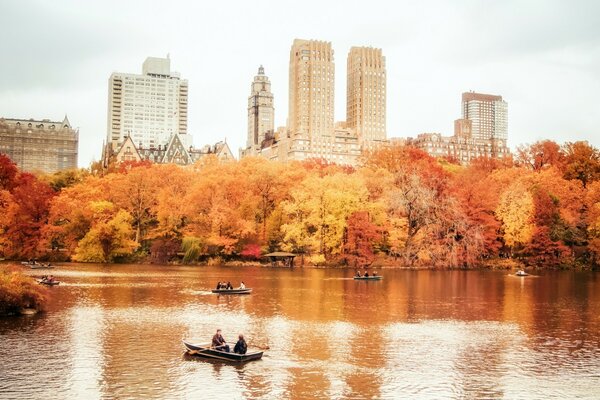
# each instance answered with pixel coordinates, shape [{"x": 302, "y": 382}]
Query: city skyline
[{"x": 546, "y": 65}]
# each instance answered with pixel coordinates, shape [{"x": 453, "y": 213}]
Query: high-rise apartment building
[
  {"x": 150, "y": 107},
  {"x": 261, "y": 112},
  {"x": 488, "y": 114},
  {"x": 39, "y": 145},
  {"x": 366, "y": 94},
  {"x": 482, "y": 132},
  {"x": 311, "y": 90}
]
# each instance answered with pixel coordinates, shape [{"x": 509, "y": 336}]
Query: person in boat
[
  {"x": 240, "y": 347},
  {"x": 374, "y": 273},
  {"x": 366, "y": 275},
  {"x": 219, "y": 285},
  {"x": 218, "y": 342},
  {"x": 50, "y": 278},
  {"x": 358, "y": 275},
  {"x": 229, "y": 286},
  {"x": 242, "y": 286}
]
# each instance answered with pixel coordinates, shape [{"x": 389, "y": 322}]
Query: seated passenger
[
  {"x": 242, "y": 286},
  {"x": 240, "y": 347},
  {"x": 366, "y": 275},
  {"x": 358, "y": 274},
  {"x": 229, "y": 286},
  {"x": 218, "y": 342},
  {"x": 219, "y": 285}
]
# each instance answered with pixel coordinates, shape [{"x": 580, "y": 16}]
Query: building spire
[{"x": 261, "y": 70}]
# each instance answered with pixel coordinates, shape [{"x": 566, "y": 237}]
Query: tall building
[
  {"x": 482, "y": 132},
  {"x": 312, "y": 87},
  {"x": 261, "y": 112},
  {"x": 366, "y": 94},
  {"x": 149, "y": 108},
  {"x": 488, "y": 114},
  {"x": 39, "y": 145}
]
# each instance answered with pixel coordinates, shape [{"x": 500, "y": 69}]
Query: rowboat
[
  {"x": 521, "y": 273},
  {"x": 205, "y": 350},
  {"x": 369, "y": 278},
  {"x": 47, "y": 282},
  {"x": 233, "y": 291},
  {"x": 36, "y": 265}
]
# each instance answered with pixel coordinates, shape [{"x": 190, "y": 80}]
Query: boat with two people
[
  {"x": 227, "y": 288},
  {"x": 521, "y": 273},
  {"x": 366, "y": 277},
  {"x": 33, "y": 264},
  {"x": 48, "y": 280},
  {"x": 218, "y": 349}
]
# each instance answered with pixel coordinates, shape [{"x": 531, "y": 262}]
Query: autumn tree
[
  {"x": 360, "y": 237},
  {"x": 110, "y": 236},
  {"x": 515, "y": 210},
  {"x": 582, "y": 162},
  {"x": 539, "y": 155}
]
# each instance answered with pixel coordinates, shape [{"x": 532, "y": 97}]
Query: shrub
[{"x": 18, "y": 291}]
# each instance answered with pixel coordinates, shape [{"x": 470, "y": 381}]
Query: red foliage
[
  {"x": 32, "y": 198},
  {"x": 361, "y": 234},
  {"x": 251, "y": 251},
  {"x": 8, "y": 173},
  {"x": 164, "y": 249}
]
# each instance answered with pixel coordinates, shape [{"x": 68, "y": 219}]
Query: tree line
[{"x": 401, "y": 206}]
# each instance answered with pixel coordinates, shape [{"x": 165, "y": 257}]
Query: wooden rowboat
[
  {"x": 521, "y": 273},
  {"x": 368, "y": 278},
  {"x": 37, "y": 265},
  {"x": 49, "y": 283},
  {"x": 205, "y": 350},
  {"x": 233, "y": 291}
]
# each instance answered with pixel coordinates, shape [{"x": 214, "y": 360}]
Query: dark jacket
[
  {"x": 218, "y": 340},
  {"x": 240, "y": 347}
]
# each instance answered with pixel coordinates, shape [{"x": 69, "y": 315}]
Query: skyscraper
[
  {"x": 366, "y": 94},
  {"x": 261, "y": 112},
  {"x": 150, "y": 107},
  {"x": 311, "y": 91},
  {"x": 488, "y": 114}
]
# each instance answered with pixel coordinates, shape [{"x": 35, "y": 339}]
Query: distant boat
[
  {"x": 233, "y": 291},
  {"x": 205, "y": 350},
  {"x": 37, "y": 265},
  {"x": 47, "y": 282},
  {"x": 521, "y": 273},
  {"x": 369, "y": 278}
]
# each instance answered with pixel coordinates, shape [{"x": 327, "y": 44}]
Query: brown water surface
[{"x": 115, "y": 332}]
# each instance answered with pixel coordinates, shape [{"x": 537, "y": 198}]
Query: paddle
[{"x": 258, "y": 346}]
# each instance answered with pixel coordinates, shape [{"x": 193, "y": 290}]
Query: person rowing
[{"x": 218, "y": 342}]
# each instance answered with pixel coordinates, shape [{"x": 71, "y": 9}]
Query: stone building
[
  {"x": 39, "y": 145},
  {"x": 174, "y": 152}
]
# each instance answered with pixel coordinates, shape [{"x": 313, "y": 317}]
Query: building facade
[
  {"x": 173, "y": 152},
  {"x": 149, "y": 108},
  {"x": 39, "y": 145},
  {"x": 311, "y": 89},
  {"x": 311, "y": 131},
  {"x": 488, "y": 114},
  {"x": 482, "y": 132},
  {"x": 261, "y": 111},
  {"x": 366, "y": 94}
]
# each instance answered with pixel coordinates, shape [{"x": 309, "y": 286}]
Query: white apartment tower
[
  {"x": 261, "y": 112},
  {"x": 488, "y": 115},
  {"x": 366, "y": 94},
  {"x": 311, "y": 100},
  {"x": 150, "y": 107}
]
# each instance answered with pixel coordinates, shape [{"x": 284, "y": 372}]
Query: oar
[{"x": 258, "y": 346}]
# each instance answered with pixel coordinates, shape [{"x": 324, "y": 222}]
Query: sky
[{"x": 542, "y": 57}]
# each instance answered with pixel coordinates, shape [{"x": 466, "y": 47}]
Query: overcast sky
[{"x": 542, "y": 56}]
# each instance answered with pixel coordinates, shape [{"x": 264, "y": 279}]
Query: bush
[{"x": 18, "y": 291}]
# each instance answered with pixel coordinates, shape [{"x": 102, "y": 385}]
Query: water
[{"x": 115, "y": 332}]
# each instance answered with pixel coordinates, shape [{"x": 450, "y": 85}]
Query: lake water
[{"x": 115, "y": 332}]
